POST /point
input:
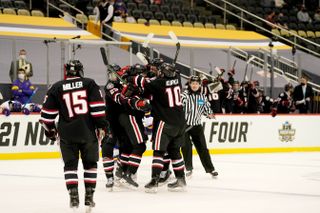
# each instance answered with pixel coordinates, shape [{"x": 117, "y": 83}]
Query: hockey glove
[
  {"x": 273, "y": 112},
  {"x": 52, "y": 134},
  {"x": 143, "y": 105}
]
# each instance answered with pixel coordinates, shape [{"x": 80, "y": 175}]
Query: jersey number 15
[{"x": 76, "y": 102}]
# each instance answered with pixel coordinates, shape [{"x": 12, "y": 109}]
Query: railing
[
  {"x": 247, "y": 13},
  {"x": 62, "y": 11}
]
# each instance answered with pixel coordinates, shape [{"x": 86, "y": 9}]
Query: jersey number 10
[
  {"x": 174, "y": 96},
  {"x": 76, "y": 102}
]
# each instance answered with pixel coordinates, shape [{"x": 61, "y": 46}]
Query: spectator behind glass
[
  {"x": 22, "y": 89},
  {"x": 120, "y": 9},
  {"x": 303, "y": 15},
  {"x": 21, "y": 63},
  {"x": 317, "y": 16}
]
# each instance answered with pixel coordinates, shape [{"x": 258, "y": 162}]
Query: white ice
[{"x": 248, "y": 183}]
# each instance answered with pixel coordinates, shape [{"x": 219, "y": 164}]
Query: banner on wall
[{"x": 22, "y": 136}]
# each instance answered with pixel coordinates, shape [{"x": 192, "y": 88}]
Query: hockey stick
[
  {"x": 145, "y": 45},
  {"x": 251, "y": 74},
  {"x": 106, "y": 63},
  {"x": 143, "y": 58},
  {"x": 234, "y": 64},
  {"x": 245, "y": 77},
  {"x": 29, "y": 99},
  {"x": 210, "y": 65},
  {"x": 176, "y": 41}
]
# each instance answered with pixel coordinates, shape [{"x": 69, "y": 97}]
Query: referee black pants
[{"x": 197, "y": 135}]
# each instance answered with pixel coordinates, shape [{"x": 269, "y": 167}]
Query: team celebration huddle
[{"x": 140, "y": 101}]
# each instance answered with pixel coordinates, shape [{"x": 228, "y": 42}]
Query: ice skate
[
  {"x": 128, "y": 181},
  {"x": 178, "y": 185},
  {"x": 88, "y": 201},
  {"x": 74, "y": 198},
  {"x": 118, "y": 175},
  {"x": 164, "y": 177},
  {"x": 152, "y": 186},
  {"x": 189, "y": 174},
  {"x": 214, "y": 174},
  {"x": 110, "y": 184}
]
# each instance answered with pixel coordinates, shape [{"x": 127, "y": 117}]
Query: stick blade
[
  {"x": 148, "y": 39},
  {"x": 173, "y": 37},
  {"x": 142, "y": 58},
  {"x": 104, "y": 56}
]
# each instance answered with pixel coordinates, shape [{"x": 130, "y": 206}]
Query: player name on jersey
[
  {"x": 172, "y": 82},
  {"x": 72, "y": 85}
]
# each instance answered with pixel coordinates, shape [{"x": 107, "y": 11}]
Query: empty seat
[
  {"x": 302, "y": 33},
  {"x": 203, "y": 19},
  {"x": 148, "y": 15},
  {"x": 23, "y": 12},
  {"x": 198, "y": 25},
  {"x": 154, "y": 22},
  {"x": 165, "y": 8},
  {"x": 192, "y": 18},
  {"x": 317, "y": 34},
  {"x": 9, "y": 11},
  {"x": 154, "y": 8},
  {"x": 132, "y": 6},
  {"x": 137, "y": 14},
  {"x": 170, "y": 17},
  {"x": 284, "y": 33},
  {"x": 310, "y": 34},
  {"x": 143, "y": 7},
  {"x": 209, "y": 25},
  {"x": 142, "y": 21},
  {"x": 20, "y": 5},
  {"x": 175, "y": 9},
  {"x": 37, "y": 13},
  {"x": 187, "y": 24},
  {"x": 6, "y": 4},
  {"x": 230, "y": 27},
  {"x": 181, "y": 17},
  {"x": 165, "y": 23},
  {"x": 220, "y": 26},
  {"x": 159, "y": 15},
  {"x": 178, "y": 24},
  {"x": 276, "y": 32}
]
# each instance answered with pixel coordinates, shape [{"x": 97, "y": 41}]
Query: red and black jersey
[
  {"x": 80, "y": 106},
  {"x": 166, "y": 98}
]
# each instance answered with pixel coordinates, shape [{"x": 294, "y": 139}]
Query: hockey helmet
[
  {"x": 195, "y": 78},
  {"x": 168, "y": 70},
  {"x": 137, "y": 69},
  {"x": 156, "y": 62},
  {"x": 288, "y": 87},
  {"x": 74, "y": 68}
]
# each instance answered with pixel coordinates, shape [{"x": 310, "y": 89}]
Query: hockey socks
[
  {"x": 90, "y": 178},
  {"x": 108, "y": 166},
  {"x": 71, "y": 178}
]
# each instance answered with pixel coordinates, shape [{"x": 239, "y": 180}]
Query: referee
[{"x": 195, "y": 105}]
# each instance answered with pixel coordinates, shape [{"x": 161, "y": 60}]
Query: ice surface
[{"x": 257, "y": 183}]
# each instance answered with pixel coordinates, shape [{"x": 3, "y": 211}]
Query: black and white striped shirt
[{"x": 195, "y": 105}]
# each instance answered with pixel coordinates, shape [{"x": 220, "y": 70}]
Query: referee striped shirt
[{"x": 195, "y": 105}]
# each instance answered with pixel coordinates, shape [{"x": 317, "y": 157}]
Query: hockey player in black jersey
[
  {"x": 79, "y": 103},
  {"x": 128, "y": 110},
  {"x": 169, "y": 123}
]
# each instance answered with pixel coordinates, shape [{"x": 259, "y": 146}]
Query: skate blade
[
  {"x": 127, "y": 185},
  {"x": 74, "y": 209},
  {"x": 117, "y": 183},
  {"x": 109, "y": 189},
  {"x": 89, "y": 209},
  {"x": 178, "y": 189},
  {"x": 151, "y": 190}
]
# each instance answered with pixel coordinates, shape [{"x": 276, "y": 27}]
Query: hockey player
[
  {"x": 284, "y": 103},
  {"x": 169, "y": 123},
  {"x": 79, "y": 103},
  {"x": 195, "y": 106}
]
